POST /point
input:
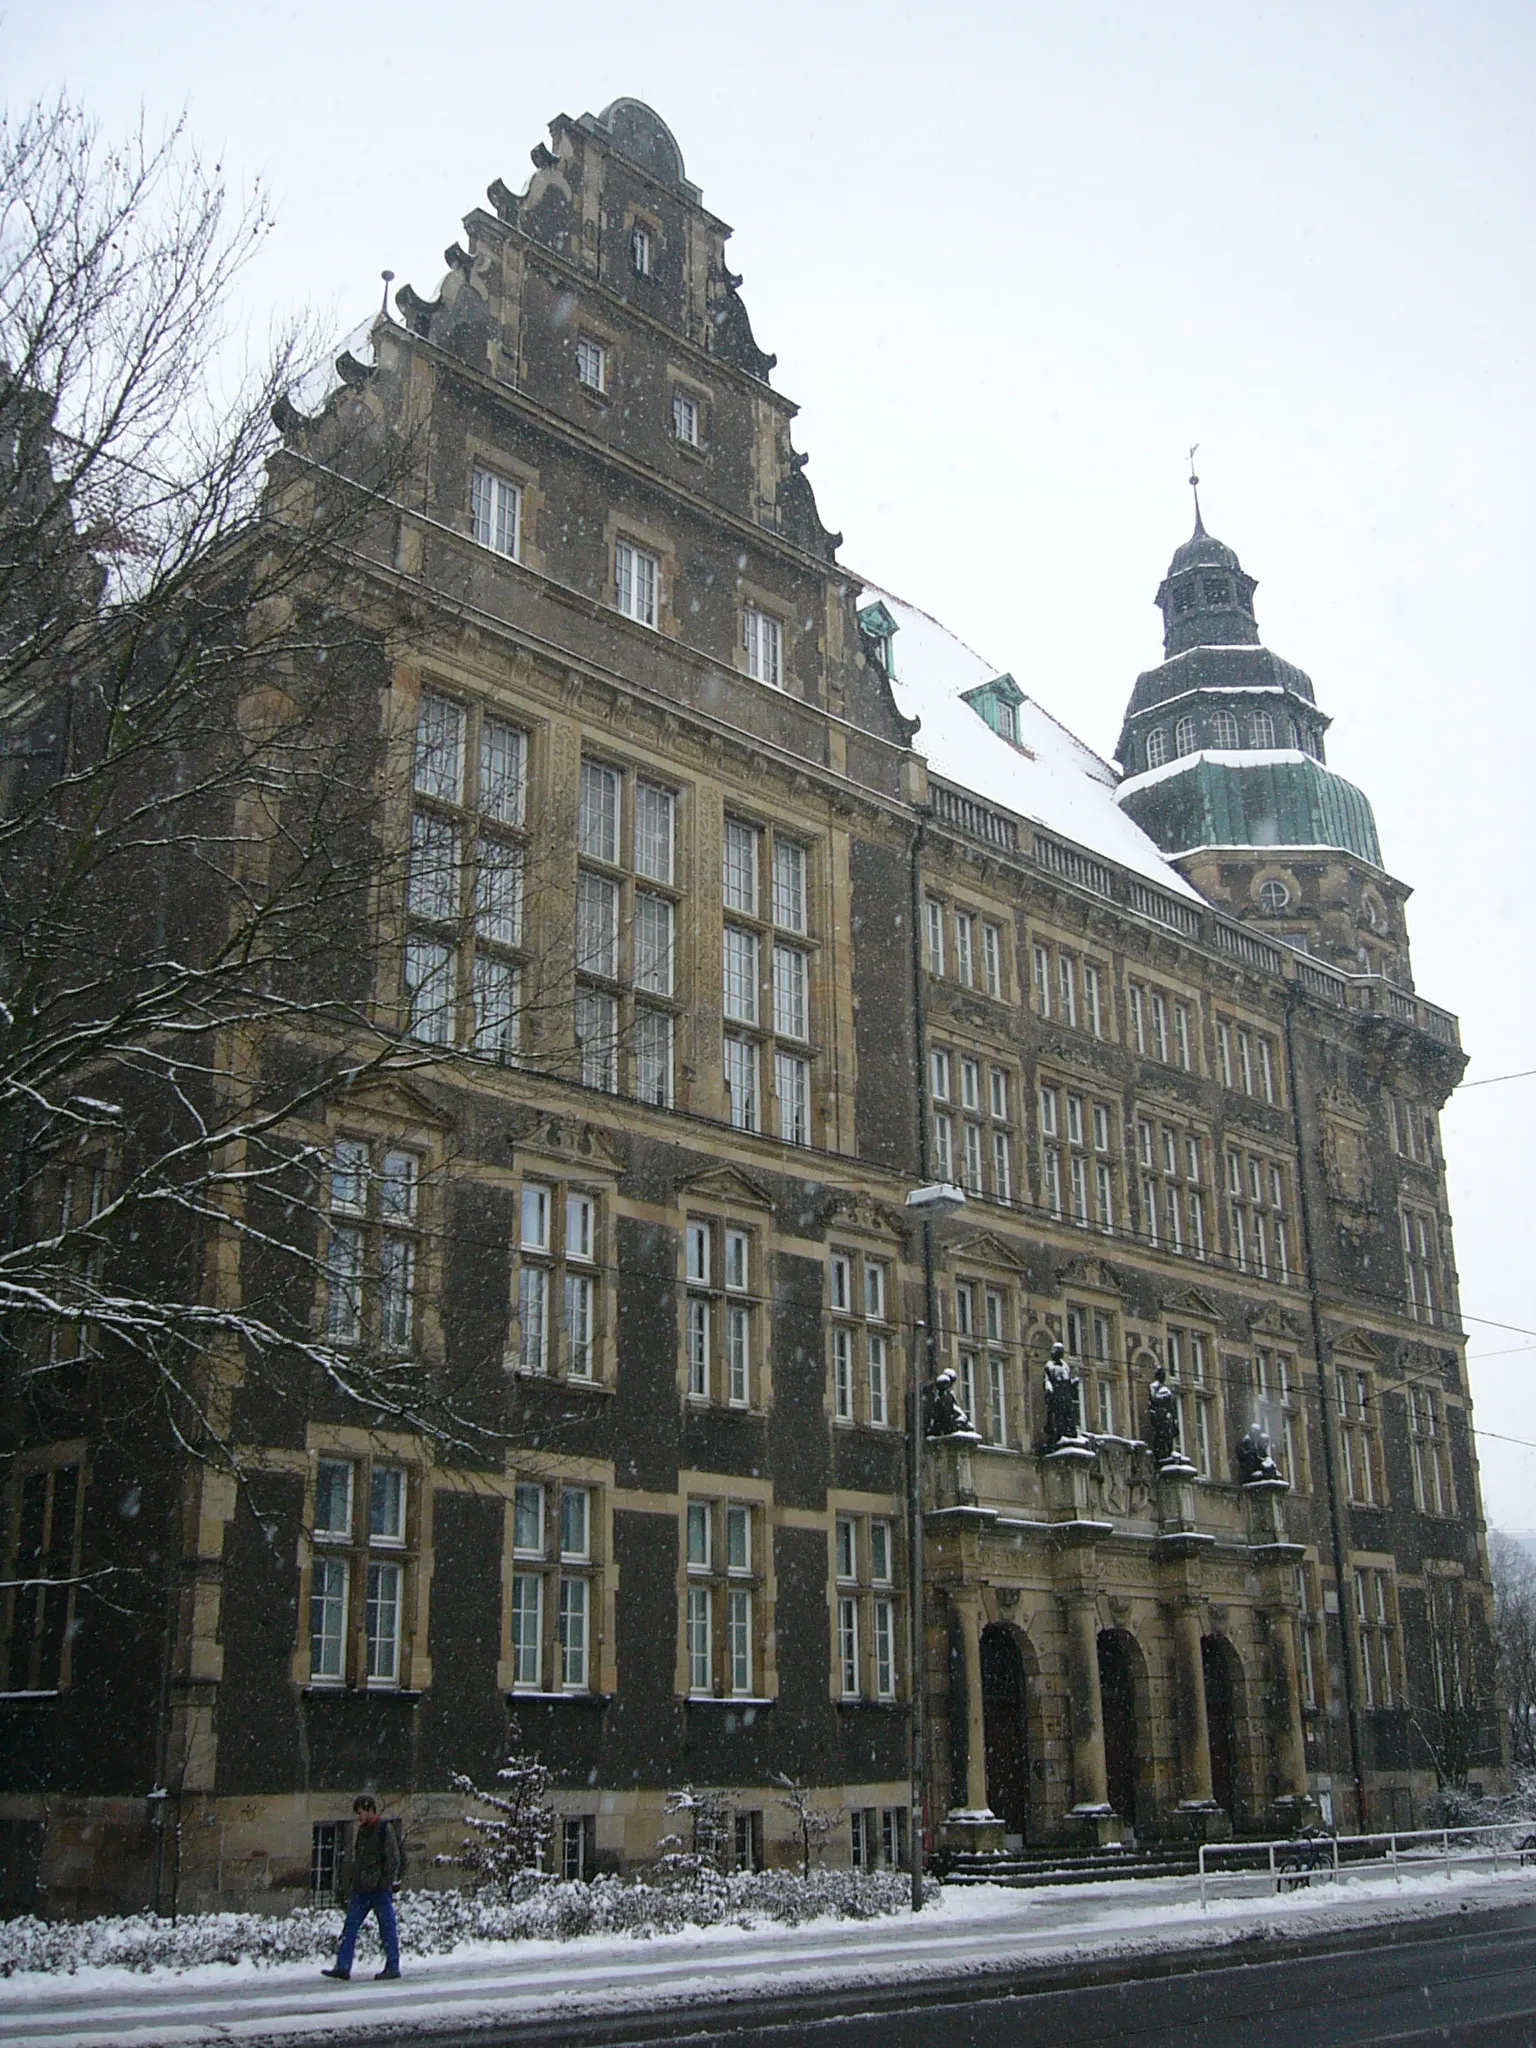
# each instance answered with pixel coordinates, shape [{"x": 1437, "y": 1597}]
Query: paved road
[
  {"x": 1470, "y": 1990},
  {"x": 1467, "y": 1982}
]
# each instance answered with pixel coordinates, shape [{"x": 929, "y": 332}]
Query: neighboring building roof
[{"x": 1051, "y": 778}]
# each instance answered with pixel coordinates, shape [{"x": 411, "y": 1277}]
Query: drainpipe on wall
[
  {"x": 1327, "y": 1409},
  {"x": 917, "y": 1385}
]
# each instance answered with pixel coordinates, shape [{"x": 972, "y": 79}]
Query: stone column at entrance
[
  {"x": 1089, "y": 1777},
  {"x": 1194, "y": 1729},
  {"x": 966, "y": 1602},
  {"x": 1289, "y": 1738}
]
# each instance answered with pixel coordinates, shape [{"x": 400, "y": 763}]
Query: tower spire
[{"x": 1194, "y": 485}]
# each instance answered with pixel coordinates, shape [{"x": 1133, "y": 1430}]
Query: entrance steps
[{"x": 1025, "y": 1867}]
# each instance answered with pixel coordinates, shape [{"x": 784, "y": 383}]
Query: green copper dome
[{"x": 1225, "y": 801}]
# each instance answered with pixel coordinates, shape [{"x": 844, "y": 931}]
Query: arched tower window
[
  {"x": 1224, "y": 731},
  {"x": 1263, "y": 729},
  {"x": 1186, "y": 736},
  {"x": 1157, "y": 747}
]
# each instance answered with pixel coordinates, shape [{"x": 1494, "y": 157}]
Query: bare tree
[
  {"x": 1514, "y": 1641},
  {"x": 200, "y": 861},
  {"x": 813, "y": 1823}
]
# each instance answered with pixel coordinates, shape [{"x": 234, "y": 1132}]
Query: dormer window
[
  {"x": 998, "y": 703},
  {"x": 879, "y": 630},
  {"x": 1217, "y": 590}
]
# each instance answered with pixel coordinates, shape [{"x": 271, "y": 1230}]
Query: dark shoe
[
  {"x": 342, "y": 1976},
  {"x": 379, "y": 1976}
]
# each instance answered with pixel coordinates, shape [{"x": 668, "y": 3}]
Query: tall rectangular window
[
  {"x": 1093, "y": 1012},
  {"x": 591, "y": 363},
  {"x": 655, "y": 809},
  {"x": 792, "y": 1085},
  {"x": 527, "y": 1628},
  {"x": 764, "y": 638},
  {"x": 495, "y": 507},
  {"x": 992, "y": 959},
  {"x": 789, "y": 911},
  {"x": 739, "y": 867},
  {"x": 848, "y": 1645},
  {"x": 933, "y": 913},
  {"x": 438, "y": 763},
  {"x": 653, "y": 1057},
  {"x": 383, "y": 1623},
  {"x": 573, "y": 1634},
  {"x": 637, "y": 583},
  {"x": 1066, "y": 978},
  {"x": 790, "y": 992},
  {"x": 700, "y": 1659},
  {"x": 327, "y": 1618},
  {"x": 741, "y": 1082}
]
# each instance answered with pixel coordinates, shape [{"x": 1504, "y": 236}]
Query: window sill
[
  {"x": 24, "y": 1698},
  {"x": 593, "y": 396},
  {"x": 408, "y": 1695},
  {"x": 561, "y": 1381},
  {"x": 877, "y": 1706},
  {"x": 573, "y": 1698},
  {"x": 728, "y": 1699}
]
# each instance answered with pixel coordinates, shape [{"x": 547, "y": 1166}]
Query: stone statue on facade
[
  {"x": 945, "y": 1415},
  {"x": 1163, "y": 1419},
  {"x": 1253, "y": 1457},
  {"x": 1063, "y": 1391}
]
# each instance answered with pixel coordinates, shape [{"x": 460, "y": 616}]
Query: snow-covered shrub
[
  {"x": 434, "y": 1923},
  {"x": 506, "y": 1848}
]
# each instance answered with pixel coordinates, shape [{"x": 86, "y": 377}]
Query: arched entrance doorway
[
  {"x": 1216, "y": 1660},
  {"x": 1117, "y": 1692},
  {"x": 1004, "y": 1703}
]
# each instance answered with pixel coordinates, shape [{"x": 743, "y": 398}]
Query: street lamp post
[{"x": 939, "y": 1198}]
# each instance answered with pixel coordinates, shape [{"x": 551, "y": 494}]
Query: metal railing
[{"x": 1303, "y": 1860}]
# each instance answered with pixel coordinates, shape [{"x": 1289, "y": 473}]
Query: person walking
[{"x": 372, "y": 1871}]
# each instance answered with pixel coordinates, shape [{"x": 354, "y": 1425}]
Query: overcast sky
[{"x": 1013, "y": 259}]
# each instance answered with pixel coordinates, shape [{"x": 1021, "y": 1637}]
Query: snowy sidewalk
[{"x": 503, "y": 1984}]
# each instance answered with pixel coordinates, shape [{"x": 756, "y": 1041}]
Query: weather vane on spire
[{"x": 1194, "y": 485}]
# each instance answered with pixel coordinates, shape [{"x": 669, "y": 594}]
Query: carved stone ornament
[{"x": 1091, "y": 1274}]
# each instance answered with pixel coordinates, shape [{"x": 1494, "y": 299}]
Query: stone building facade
[{"x": 782, "y": 905}]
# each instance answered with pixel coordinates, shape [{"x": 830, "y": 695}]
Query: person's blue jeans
[{"x": 382, "y": 1906}]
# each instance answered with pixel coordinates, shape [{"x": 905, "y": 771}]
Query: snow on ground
[
  {"x": 973, "y": 1931},
  {"x": 1052, "y": 777}
]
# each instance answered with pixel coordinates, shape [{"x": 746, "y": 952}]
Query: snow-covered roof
[
  {"x": 1052, "y": 778},
  {"x": 1222, "y": 757}
]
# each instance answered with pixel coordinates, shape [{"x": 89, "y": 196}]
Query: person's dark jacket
[{"x": 374, "y": 1864}]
